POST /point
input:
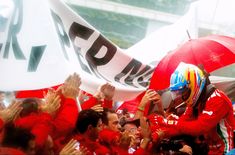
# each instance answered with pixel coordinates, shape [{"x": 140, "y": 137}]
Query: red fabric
[
  {"x": 92, "y": 101},
  {"x": 107, "y": 104},
  {"x": 109, "y": 136},
  {"x": 213, "y": 52},
  {"x": 1, "y": 124},
  {"x": 216, "y": 122},
  {"x": 10, "y": 151},
  {"x": 63, "y": 123},
  {"x": 158, "y": 122},
  {"x": 1, "y": 130},
  {"x": 215, "y": 114},
  {"x": 39, "y": 125},
  {"x": 111, "y": 139},
  {"x": 93, "y": 147},
  {"x": 42, "y": 129},
  {"x": 132, "y": 105},
  {"x": 59, "y": 143},
  {"x": 27, "y": 122},
  {"x": 39, "y": 93},
  {"x": 66, "y": 117}
]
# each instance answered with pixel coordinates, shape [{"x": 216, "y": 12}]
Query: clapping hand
[
  {"x": 71, "y": 149},
  {"x": 12, "y": 112},
  {"x": 52, "y": 102},
  {"x": 70, "y": 88},
  {"x": 106, "y": 91}
]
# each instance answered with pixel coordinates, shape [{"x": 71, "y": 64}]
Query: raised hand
[
  {"x": 155, "y": 98},
  {"x": 72, "y": 149},
  {"x": 12, "y": 112},
  {"x": 98, "y": 108},
  {"x": 70, "y": 88},
  {"x": 126, "y": 140},
  {"x": 146, "y": 132},
  {"x": 145, "y": 129},
  {"x": 52, "y": 102},
  {"x": 107, "y": 91},
  {"x": 151, "y": 95}
]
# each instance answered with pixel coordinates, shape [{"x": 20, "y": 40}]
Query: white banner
[{"x": 42, "y": 43}]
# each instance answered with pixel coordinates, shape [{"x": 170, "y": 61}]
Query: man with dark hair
[
  {"x": 86, "y": 131},
  {"x": 132, "y": 126},
  {"x": 19, "y": 138},
  {"x": 29, "y": 105},
  {"x": 87, "y": 119},
  {"x": 110, "y": 120}
]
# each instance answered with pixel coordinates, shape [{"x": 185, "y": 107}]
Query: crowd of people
[{"x": 57, "y": 125}]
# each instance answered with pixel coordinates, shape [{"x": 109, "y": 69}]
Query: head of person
[
  {"x": 186, "y": 84},
  {"x": 110, "y": 120},
  {"x": 19, "y": 138},
  {"x": 133, "y": 127},
  {"x": 29, "y": 105},
  {"x": 89, "y": 123}
]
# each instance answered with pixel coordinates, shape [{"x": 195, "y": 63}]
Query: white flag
[{"x": 42, "y": 43}]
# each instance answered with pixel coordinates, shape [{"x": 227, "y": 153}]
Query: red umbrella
[{"x": 213, "y": 52}]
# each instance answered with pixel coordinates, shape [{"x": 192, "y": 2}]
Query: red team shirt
[{"x": 215, "y": 122}]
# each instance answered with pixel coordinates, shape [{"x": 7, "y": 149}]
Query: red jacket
[
  {"x": 65, "y": 119},
  {"x": 92, "y": 101},
  {"x": 216, "y": 122},
  {"x": 111, "y": 140},
  {"x": 27, "y": 122},
  {"x": 10, "y": 151},
  {"x": 93, "y": 147},
  {"x": 1, "y": 124},
  {"x": 39, "y": 125}
]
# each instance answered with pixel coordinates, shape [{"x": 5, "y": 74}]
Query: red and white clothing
[{"x": 215, "y": 122}]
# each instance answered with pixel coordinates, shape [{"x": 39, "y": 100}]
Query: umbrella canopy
[{"x": 213, "y": 52}]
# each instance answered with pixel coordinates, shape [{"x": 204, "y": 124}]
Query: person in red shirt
[
  {"x": 121, "y": 142},
  {"x": 19, "y": 138},
  {"x": 110, "y": 120},
  {"x": 86, "y": 132},
  {"x": 38, "y": 121},
  {"x": 53, "y": 117},
  {"x": 209, "y": 111},
  {"x": 66, "y": 116}
]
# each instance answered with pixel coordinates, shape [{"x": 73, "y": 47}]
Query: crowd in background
[{"x": 55, "y": 125}]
